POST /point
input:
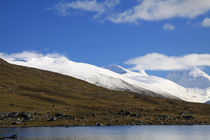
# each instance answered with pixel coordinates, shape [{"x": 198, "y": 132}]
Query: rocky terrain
[{"x": 15, "y": 119}]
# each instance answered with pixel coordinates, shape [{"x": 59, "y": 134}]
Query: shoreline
[
  {"x": 100, "y": 126},
  {"x": 67, "y": 126}
]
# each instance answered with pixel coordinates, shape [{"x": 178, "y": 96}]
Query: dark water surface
[{"x": 111, "y": 133}]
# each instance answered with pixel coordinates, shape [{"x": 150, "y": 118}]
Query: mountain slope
[
  {"x": 116, "y": 78},
  {"x": 161, "y": 85},
  {"x": 54, "y": 99},
  {"x": 92, "y": 74}
]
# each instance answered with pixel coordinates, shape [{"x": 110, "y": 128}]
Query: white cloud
[
  {"x": 206, "y": 22},
  {"x": 86, "y": 5},
  {"x": 162, "y": 9},
  {"x": 168, "y": 27},
  {"x": 149, "y": 10},
  {"x": 156, "y": 61}
]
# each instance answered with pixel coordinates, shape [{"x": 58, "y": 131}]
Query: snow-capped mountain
[
  {"x": 161, "y": 85},
  {"x": 89, "y": 73},
  {"x": 194, "y": 78},
  {"x": 114, "y": 77}
]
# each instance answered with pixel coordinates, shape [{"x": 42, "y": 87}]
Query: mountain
[
  {"x": 94, "y": 75},
  {"x": 193, "y": 78},
  {"x": 161, "y": 85},
  {"x": 33, "y": 97},
  {"x": 116, "y": 78}
]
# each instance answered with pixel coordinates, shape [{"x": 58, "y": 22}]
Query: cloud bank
[
  {"x": 149, "y": 10},
  {"x": 156, "y": 61}
]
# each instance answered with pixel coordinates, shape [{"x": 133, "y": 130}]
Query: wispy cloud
[
  {"x": 99, "y": 8},
  {"x": 162, "y": 9},
  {"x": 149, "y": 10},
  {"x": 156, "y": 61},
  {"x": 168, "y": 27},
  {"x": 206, "y": 22}
]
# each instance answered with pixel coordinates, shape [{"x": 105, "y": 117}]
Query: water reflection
[{"x": 111, "y": 133}]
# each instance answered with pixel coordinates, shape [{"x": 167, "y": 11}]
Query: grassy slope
[{"x": 33, "y": 90}]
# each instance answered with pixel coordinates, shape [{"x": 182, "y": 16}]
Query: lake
[{"x": 111, "y": 133}]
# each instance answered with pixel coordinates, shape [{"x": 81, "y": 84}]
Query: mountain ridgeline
[{"x": 34, "y": 97}]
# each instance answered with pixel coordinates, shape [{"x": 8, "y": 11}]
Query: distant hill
[
  {"x": 33, "y": 97},
  {"x": 198, "y": 88},
  {"x": 208, "y": 102},
  {"x": 193, "y": 78}
]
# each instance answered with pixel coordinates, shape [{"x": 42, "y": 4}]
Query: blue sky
[{"x": 113, "y": 35}]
